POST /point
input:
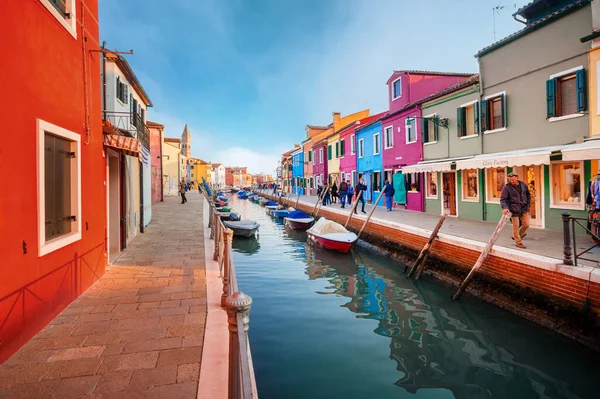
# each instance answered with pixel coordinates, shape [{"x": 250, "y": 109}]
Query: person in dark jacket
[
  {"x": 343, "y": 192},
  {"x": 389, "y": 195},
  {"x": 362, "y": 187},
  {"x": 516, "y": 199},
  {"x": 350, "y": 194},
  {"x": 334, "y": 193}
]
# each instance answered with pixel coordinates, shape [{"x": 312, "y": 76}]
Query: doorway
[
  {"x": 449, "y": 193},
  {"x": 532, "y": 176},
  {"x": 114, "y": 206}
]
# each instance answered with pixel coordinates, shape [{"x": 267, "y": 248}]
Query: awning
[
  {"x": 428, "y": 167},
  {"x": 582, "y": 151},
  {"x": 507, "y": 159},
  {"x": 128, "y": 145}
]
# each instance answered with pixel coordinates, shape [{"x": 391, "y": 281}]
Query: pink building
[
  {"x": 156, "y": 138},
  {"x": 402, "y": 141},
  {"x": 319, "y": 150}
]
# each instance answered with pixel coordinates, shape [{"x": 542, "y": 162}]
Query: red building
[
  {"x": 228, "y": 178},
  {"x": 53, "y": 223},
  {"x": 157, "y": 132}
]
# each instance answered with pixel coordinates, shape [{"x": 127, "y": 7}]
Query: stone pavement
[{"x": 137, "y": 332}]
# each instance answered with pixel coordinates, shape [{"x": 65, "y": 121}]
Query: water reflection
[{"x": 246, "y": 245}]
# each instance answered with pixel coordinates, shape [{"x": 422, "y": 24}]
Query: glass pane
[
  {"x": 497, "y": 119},
  {"x": 568, "y": 96},
  {"x": 470, "y": 120},
  {"x": 470, "y": 184},
  {"x": 49, "y": 183},
  {"x": 430, "y": 131},
  {"x": 495, "y": 182},
  {"x": 432, "y": 184},
  {"x": 570, "y": 183}
]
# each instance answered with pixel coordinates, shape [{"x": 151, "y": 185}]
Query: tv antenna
[{"x": 498, "y": 9}]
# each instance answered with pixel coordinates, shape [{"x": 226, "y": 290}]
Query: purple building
[
  {"x": 401, "y": 129},
  {"x": 319, "y": 150}
]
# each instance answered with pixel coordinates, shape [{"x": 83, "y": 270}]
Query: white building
[{"x": 219, "y": 176}]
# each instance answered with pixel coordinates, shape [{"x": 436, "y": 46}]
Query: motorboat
[
  {"x": 272, "y": 205},
  {"x": 299, "y": 220},
  {"x": 224, "y": 212},
  {"x": 263, "y": 201},
  {"x": 281, "y": 213},
  {"x": 331, "y": 235},
  {"x": 243, "y": 228}
]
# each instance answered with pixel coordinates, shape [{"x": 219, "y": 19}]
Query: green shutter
[
  {"x": 342, "y": 148},
  {"x": 310, "y": 156},
  {"x": 504, "y": 111},
  {"x": 484, "y": 120},
  {"x": 460, "y": 122},
  {"x": 550, "y": 98},
  {"x": 581, "y": 100},
  {"x": 424, "y": 126},
  {"x": 329, "y": 152},
  {"x": 337, "y": 150},
  {"x": 476, "y": 116},
  {"x": 435, "y": 128}
]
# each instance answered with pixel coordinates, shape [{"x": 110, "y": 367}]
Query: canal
[{"x": 328, "y": 325}]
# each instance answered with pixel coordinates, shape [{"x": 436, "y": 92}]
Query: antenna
[{"x": 495, "y": 10}]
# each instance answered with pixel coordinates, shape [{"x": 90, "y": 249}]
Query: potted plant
[{"x": 413, "y": 187}]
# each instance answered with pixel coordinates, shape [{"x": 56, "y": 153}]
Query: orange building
[{"x": 54, "y": 218}]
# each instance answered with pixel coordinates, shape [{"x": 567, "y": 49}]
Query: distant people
[
  {"x": 334, "y": 193},
  {"x": 516, "y": 199},
  {"x": 389, "y": 195},
  {"x": 350, "y": 194},
  {"x": 360, "y": 189},
  {"x": 327, "y": 197},
  {"x": 343, "y": 192},
  {"x": 182, "y": 190},
  {"x": 200, "y": 188},
  {"x": 319, "y": 190}
]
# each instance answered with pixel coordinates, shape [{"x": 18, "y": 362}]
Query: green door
[{"x": 400, "y": 194}]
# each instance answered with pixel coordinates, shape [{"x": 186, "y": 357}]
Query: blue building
[
  {"x": 298, "y": 171},
  {"x": 369, "y": 163}
]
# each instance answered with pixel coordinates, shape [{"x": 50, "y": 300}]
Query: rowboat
[
  {"x": 263, "y": 201},
  {"x": 299, "y": 220},
  {"x": 281, "y": 213},
  {"x": 224, "y": 212},
  {"x": 331, "y": 235},
  {"x": 243, "y": 228}
]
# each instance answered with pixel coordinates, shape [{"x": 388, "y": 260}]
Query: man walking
[
  {"x": 389, "y": 195},
  {"x": 343, "y": 192},
  {"x": 182, "y": 189},
  {"x": 360, "y": 189},
  {"x": 350, "y": 194},
  {"x": 516, "y": 199}
]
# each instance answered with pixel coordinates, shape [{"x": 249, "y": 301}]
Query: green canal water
[{"x": 328, "y": 325}]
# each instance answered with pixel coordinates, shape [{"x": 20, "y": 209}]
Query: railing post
[
  {"x": 211, "y": 225},
  {"x": 567, "y": 252},
  {"x": 217, "y": 237},
  {"x": 238, "y": 302},
  {"x": 226, "y": 265}
]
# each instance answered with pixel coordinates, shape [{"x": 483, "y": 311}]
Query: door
[
  {"x": 367, "y": 179},
  {"x": 400, "y": 187},
  {"x": 449, "y": 193},
  {"x": 532, "y": 176},
  {"x": 114, "y": 206}
]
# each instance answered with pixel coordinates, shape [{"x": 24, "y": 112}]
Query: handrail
[{"x": 237, "y": 304}]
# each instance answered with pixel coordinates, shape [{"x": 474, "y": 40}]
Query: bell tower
[{"x": 186, "y": 142}]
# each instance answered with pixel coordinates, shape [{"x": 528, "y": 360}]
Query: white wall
[
  {"x": 113, "y": 104},
  {"x": 147, "y": 185}
]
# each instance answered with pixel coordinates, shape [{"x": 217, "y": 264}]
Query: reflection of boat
[
  {"x": 332, "y": 235},
  {"x": 248, "y": 245},
  {"x": 244, "y": 228},
  {"x": 299, "y": 220}
]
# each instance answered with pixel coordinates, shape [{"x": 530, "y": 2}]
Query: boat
[
  {"x": 299, "y": 220},
  {"x": 272, "y": 205},
  {"x": 243, "y": 228},
  {"x": 224, "y": 212},
  {"x": 331, "y": 235},
  {"x": 220, "y": 204},
  {"x": 234, "y": 217},
  {"x": 280, "y": 213},
  {"x": 263, "y": 201}
]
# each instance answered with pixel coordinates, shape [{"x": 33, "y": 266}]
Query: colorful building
[
  {"x": 312, "y": 133},
  {"x": 319, "y": 150},
  {"x": 52, "y": 229},
  {"x": 156, "y": 139},
  {"x": 298, "y": 171},
  {"x": 171, "y": 161},
  {"x": 369, "y": 162}
]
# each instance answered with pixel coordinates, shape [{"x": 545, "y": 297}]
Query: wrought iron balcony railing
[{"x": 129, "y": 123}]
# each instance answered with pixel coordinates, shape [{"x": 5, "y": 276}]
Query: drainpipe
[
  {"x": 104, "y": 80},
  {"x": 484, "y": 207},
  {"x": 141, "y": 196}
]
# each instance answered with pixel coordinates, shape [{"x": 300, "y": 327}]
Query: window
[
  {"x": 431, "y": 179},
  {"x": 342, "y": 148},
  {"x": 376, "y": 181},
  {"x": 389, "y": 136},
  {"x": 133, "y": 109},
  {"x": 310, "y": 157},
  {"x": 122, "y": 91},
  {"x": 566, "y": 93},
  {"x": 493, "y": 112},
  {"x": 467, "y": 120},
  {"x": 320, "y": 155},
  {"x": 337, "y": 150},
  {"x": 411, "y": 130},
  {"x": 64, "y": 12},
  {"x": 495, "y": 181},
  {"x": 413, "y": 182},
  {"x": 361, "y": 148},
  {"x": 59, "y": 187},
  {"x": 567, "y": 189},
  {"x": 354, "y": 181},
  {"x": 329, "y": 152},
  {"x": 343, "y": 175},
  {"x": 470, "y": 185},
  {"x": 376, "y": 143},
  {"x": 397, "y": 88},
  {"x": 430, "y": 129},
  {"x": 352, "y": 145}
]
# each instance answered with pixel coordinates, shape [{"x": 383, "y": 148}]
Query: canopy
[
  {"x": 428, "y": 167},
  {"x": 507, "y": 159},
  {"x": 128, "y": 145},
  {"x": 582, "y": 151}
]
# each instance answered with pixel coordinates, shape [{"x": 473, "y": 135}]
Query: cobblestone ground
[{"x": 137, "y": 332}]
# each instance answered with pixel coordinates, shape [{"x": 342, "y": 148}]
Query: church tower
[{"x": 186, "y": 142}]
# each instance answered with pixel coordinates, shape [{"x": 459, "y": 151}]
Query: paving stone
[
  {"x": 134, "y": 324},
  {"x": 154, "y": 297},
  {"x": 56, "y": 330},
  {"x": 188, "y": 372},
  {"x": 185, "y": 330},
  {"x": 92, "y": 328},
  {"x": 75, "y": 310},
  {"x": 11, "y": 375},
  {"x": 170, "y": 304},
  {"x": 134, "y": 314},
  {"x": 54, "y": 343},
  {"x": 181, "y": 295},
  {"x": 171, "y": 321},
  {"x": 37, "y": 389},
  {"x": 93, "y": 317},
  {"x": 125, "y": 307},
  {"x": 64, "y": 319},
  {"x": 142, "y": 335},
  {"x": 103, "y": 309},
  {"x": 114, "y": 349},
  {"x": 198, "y": 309},
  {"x": 73, "y": 368},
  {"x": 148, "y": 305},
  {"x": 102, "y": 339},
  {"x": 194, "y": 318},
  {"x": 162, "y": 375},
  {"x": 180, "y": 356},
  {"x": 169, "y": 311},
  {"x": 184, "y": 390},
  {"x": 76, "y": 387},
  {"x": 129, "y": 361},
  {"x": 153, "y": 345},
  {"x": 113, "y": 382},
  {"x": 76, "y": 353},
  {"x": 193, "y": 340}
]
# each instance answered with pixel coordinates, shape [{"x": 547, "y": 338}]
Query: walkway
[{"x": 137, "y": 332}]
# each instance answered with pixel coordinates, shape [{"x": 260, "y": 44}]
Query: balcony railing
[
  {"x": 129, "y": 123},
  {"x": 242, "y": 383}
]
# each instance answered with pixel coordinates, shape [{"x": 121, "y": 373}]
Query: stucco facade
[
  {"x": 368, "y": 158},
  {"x": 156, "y": 140},
  {"x": 170, "y": 164}
]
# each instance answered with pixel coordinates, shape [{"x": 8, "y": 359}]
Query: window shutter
[
  {"x": 435, "y": 128},
  {"x": 309, "y": 156},
  {"x": 337, "y": 150},
  {"x": 504, "y": 111},
  {"x": 424, "y": 130},
  {"x": 550, "y": 98},
  {"x": 460, "y": 121},
  {"x": 118, "y": 87},
  {"x": 581, "y": 100},
  {"x": 342, "y": 148},
  {"x": 125, "y": 93},
  {"x": 476, "y": 116},
  {"x": 329, "y": 152},
  {"x": 484, "y": 119}
]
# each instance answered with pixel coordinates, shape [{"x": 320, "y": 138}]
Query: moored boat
[
  {"x": 299, "y": 220},
  {"x": 331, "y": 235},
  {"x": 263, "y": 201},
  {"x": 243, "y": 228},
  {"x": 224, "y": 212}
]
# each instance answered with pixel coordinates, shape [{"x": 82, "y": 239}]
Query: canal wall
[{"x": 520, "y": 273}]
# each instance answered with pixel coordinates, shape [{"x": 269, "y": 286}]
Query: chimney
[{"x": 336, "y": 120}]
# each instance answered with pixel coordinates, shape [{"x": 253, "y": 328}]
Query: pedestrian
[
  {"x": 327, "y": 197},
  {"x": 182, "y": 190},
  {"x": 200, "y": 188},
  {"x": 516, "y": 199},
  {"x": 319, "y": 191},
  {"x": 350, "y": 194},
  {"x": 361, "y": 188},
  {"x": 389, "y": 195},
  {"x": 343, "y": 192},
  {"x": 334, "y": 193}
]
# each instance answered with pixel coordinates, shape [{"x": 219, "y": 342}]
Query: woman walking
[{"x": 334, "y": 193}]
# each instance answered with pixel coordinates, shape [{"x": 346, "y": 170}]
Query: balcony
[{"x": 128, "y": 124}]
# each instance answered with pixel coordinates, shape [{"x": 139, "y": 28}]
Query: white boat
[
  {"x": 244, "y": 228},
  {"x": 331, "y": 235}
]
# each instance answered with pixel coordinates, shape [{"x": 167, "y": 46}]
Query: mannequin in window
[{"x": 592, "y": 199}]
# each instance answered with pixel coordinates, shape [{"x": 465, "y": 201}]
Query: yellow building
[
  {"x": 199, "y": 169},
  {"x": 171, "y": 160},
  {"x": 333, "y": 142}
]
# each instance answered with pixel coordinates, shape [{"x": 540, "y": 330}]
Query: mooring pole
[
  {"x": 319, "y": 201},
  {"x": 567, "y": 253},
  {"x": 298, "y": 200},
  {"x": 371, "y": 212},
  {"x": 484, "y": 254},
  {"x": 353, "y": 208},
  {"x": 419, "y": 265}
]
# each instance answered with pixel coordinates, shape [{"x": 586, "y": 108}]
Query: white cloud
[{"x": 255, "y": 161}]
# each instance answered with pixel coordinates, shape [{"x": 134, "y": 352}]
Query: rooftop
[
  {"x": 130, "y": 75},
  {"x": 436, "y": 73},
  {"x": 155, "y": 125},
  {"x": 171, "y": 140}
]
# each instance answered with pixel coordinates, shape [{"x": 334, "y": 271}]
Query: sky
[{"x": 247, "y": 76}]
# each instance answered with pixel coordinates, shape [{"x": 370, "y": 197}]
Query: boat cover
[
  {"x": 298, "y": 215},
  {"x": 242, "y": 224},
  {"x": 325, "y": 226},
  {"x": 271, "y": 203}
]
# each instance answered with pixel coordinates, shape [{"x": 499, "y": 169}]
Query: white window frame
[
  {"x": 500, "y": 129},
  {"x": 392, "y": 87},
  {"x": 70, "y": 24},
  {"x": 581, "y": 205},
  {"x": 321, "y": 155},
  {"x": 437, "y": 190},
  {"x": 46, "y": 247},
  {"x": 406, "y": 125},
  {"x": 462, "y": 186},
  {"x": 489, "y": 200},
  {"x": 314, "y": 157},
  {"x": 353, "y": 145},
  {"x": 361, "y": 154},
  {"x": 430, "y": 142},
  {"x": 569, "y": 116},
  {"x": 375, "y": 152},
  {"x": 391, "y": 144}
]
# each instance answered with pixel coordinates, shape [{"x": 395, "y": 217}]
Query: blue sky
[{"x": 249, "y": 75}]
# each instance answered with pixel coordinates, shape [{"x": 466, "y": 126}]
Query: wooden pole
[
  {"x": 298, "y": 200},
  {"x": 319, "y": 200},
  {"x": 371, "y": 211},
  {"x": 353, "y": 208},
  {"x": 324, "y": 194},
  {"x": 419, "y": 265},
  {"x": 484, "y": 254}
]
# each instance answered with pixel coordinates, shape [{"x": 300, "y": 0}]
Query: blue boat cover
[
  {"x": 271, "y": 203},
  {"x": 297, "y": 215}
]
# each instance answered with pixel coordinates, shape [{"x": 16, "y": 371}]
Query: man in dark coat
[
  {"x": 362, "y": 187},
  {"x": 516, "y": 199}
]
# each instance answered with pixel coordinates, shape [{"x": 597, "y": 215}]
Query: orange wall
[
  {"x": 41, "y": 76},
  {"x": 594, "y": 57}
]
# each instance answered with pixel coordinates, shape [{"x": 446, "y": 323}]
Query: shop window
[
  {"x": 470, "y": 185},
  {"x": 567, "y": 185},
  {"x": 412, "y": 182},
  {"x": 495, "y": 181},
  {"x": 432, "y": 185}
]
